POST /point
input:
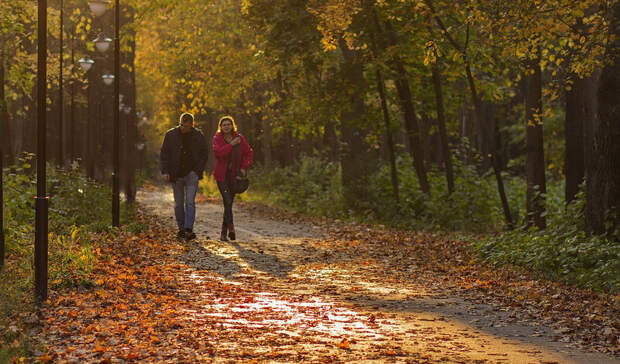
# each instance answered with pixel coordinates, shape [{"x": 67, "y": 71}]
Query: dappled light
[{"x": 282, "y": 181}]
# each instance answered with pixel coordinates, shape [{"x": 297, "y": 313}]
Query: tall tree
[
  {"x": 534, "y": 163},
  {"x": 603, "y": 190}
]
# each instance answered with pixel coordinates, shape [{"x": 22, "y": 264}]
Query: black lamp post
[
  {"x": 116, "y": 157},
  {"x": 60, "y": 94},
  {"x": 98, "y": 7},
  {"x": 86, "y": 63},
  {"x": 41, "y": 208},
  {"x": 1, "y": 208}
]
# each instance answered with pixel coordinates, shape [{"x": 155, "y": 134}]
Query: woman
[{"x": 224, "y": 142}]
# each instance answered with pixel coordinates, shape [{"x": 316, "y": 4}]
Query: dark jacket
[{"x": 170, "y": 154}]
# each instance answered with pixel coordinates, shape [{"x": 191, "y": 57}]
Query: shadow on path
[
  {"x": 200, "y": 258},
  {"x": 260, "y": 261}
]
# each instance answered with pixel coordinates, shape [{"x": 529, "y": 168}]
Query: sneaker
[
  {"x": 189, "y": 234},
  {"x": 181, "y": 234}
]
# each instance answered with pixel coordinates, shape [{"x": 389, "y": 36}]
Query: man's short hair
[{"x": 186, "y": 118}]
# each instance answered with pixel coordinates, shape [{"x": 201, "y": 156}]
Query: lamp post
[
  {"x": 60, "y": 94},
  {"x": 116, "y": 159},
  {"x": 41, "y": 208},
  {"x": 1, "y": 206},
  {"x": 99, "y": 7},
  {"x": 86, "y": 63}
]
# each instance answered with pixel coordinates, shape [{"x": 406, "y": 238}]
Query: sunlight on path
[{"x": 295, "y": 301}]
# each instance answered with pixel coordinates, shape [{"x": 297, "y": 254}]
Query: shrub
[{"x": 562, "y": 252}]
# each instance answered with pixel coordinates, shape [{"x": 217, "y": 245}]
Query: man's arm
[
  {"x": 164, "y": 158},
  {"x": 203, "y": 154}
]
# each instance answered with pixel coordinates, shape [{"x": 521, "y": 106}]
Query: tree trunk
[
  {"x": 407, "y": 108},
  {"x": 71, "y": 150},
  {"x": 267, "y": 140},
  {"x": 494, "y": 161},
  {"x": 441, "y": 122},
  {"x": 535, "y": 162},
  {"x": 353, "y": 155},
  {"x": 61, "y": 101},
  {"x": 5, "y": 134},
  {"x": 603, "y": 193},
  {"x": 390, "y": 140},
  {"x": 574, "y": 166},
  {"x": 412, "y": 126}
]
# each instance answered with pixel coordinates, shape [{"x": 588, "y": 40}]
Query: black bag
[{"x": 240, "y": 183}]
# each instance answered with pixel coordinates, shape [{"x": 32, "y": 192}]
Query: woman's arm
[
  {"x": 248, "y": 156},
  {"x": 221, "y": 149}
]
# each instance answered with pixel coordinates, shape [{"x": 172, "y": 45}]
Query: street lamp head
[
  {"x": 108, "y": 79},
  {"x": 98, "y": 7},
  {"x": 86, "y": 63},
  {"x": 102, "y": 43}
]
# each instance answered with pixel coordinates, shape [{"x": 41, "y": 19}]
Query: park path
[{"x": 294, "y": 289}]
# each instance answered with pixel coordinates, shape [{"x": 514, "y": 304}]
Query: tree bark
[
  {"x": 353, "y": 152},
  {"x": 441, "y": 122},
  {"x": 5, "y": 132},
  {"x": 407, "y": 108},
  {"x": 603, "y": 192},
  {"x": 389, "y": 137},
  {"x": 574, "y": 166},
  {"x": 535, "y": 162}
]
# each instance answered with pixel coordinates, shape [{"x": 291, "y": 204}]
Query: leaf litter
[{"x": 346, "y": 292}]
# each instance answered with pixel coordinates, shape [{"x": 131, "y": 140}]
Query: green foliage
[
  {"x": 78, "y": 209},
  {"x": 474, "y": 205},
  {"x": 312, "y": 186},
  {"x": 562, "y": 252}
]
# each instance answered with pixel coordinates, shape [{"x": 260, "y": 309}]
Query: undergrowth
[{"x": 79, "y": 209}]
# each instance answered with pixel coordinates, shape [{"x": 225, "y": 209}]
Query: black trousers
[{"x": 227, "y": 197}]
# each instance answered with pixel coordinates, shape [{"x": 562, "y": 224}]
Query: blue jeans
[{"x": 185, "y": 189}]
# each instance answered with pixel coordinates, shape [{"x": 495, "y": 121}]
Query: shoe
[
  {"x": 181, "y": 234},
  {"x": 231, "y": 232},
  {"x": 189, "y": 234},
  {"x": 223, "y": 234}
]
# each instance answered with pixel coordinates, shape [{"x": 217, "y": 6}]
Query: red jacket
[{"x": 223, "y": 151}]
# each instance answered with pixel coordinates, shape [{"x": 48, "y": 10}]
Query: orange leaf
[
  {"x": 390, "y": 352},
  {"x": 45, "y": 358},
  {"x": 99, "y": 349},
  {"x": 344, "y": 344},
  {"x": 132, "y": 356}
]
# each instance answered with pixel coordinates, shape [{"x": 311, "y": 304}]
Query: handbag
[{"x": 240, "y": 183}]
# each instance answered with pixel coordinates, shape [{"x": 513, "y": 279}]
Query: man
[{"x": 183, "y": 158}]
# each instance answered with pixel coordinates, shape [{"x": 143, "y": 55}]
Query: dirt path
[{"x": 329, "y": 304}]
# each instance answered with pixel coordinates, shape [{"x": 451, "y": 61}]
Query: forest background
[{"x": 492, "y": 117}]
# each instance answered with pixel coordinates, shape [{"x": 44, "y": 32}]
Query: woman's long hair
[{"x": 224, "y": 118}]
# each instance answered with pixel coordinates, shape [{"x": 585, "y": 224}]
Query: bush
[
  {"x": 312, "y": 187},
  {"x": 78, "y": 208},
  {"x": 562, "y": 252}
]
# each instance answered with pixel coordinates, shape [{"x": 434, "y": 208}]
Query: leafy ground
[{"x": 294, "y": 288}]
